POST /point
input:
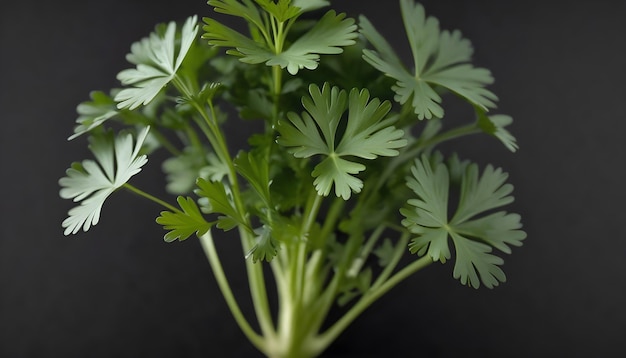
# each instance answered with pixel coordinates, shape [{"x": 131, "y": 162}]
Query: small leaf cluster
[{"x": 270, "y": 24}]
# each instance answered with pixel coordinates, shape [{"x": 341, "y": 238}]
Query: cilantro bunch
[{"x": 342, "y": 192}]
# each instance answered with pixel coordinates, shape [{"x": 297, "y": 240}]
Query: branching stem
[
  {"x": 209, "y": 249},
  {"x": 368, "y": 298},
  {"x": 256, "y": 278}
]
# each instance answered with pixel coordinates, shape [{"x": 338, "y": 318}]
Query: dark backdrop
[{"x": 120, "y": 291}]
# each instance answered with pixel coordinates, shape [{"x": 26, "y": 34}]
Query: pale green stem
[
  {"x": 297, "y": 259},
  {"x": 451, "y": 134},
  {"x": 150, "y": 197},
  {"x": 217, "y": 140},
  {"x": 279, "y": 276},
  {"x": 332, "y": 216},
  {"x": 279, "y": 36},
  {"x": 310, "y": 214},
  {"x": 311, "y": 275},
  {"x": 418, "y": 146},
  {"x": 209, "y": 249},
  {"x": 327, "y": 297},
  {"x": 366, "y": 250},
  {"x": 262, "y": 28},
  {"x": 164, "y": 142},
  {"x": 258, "y": 291},
  {"x": 256, "y": 278},
  {"x": 395, "y": 259},
  {"x": 368, "y": 298},
  {"x": 277, "y": 29},
  {"x": 283, "y": 258},
  {"x": 208, "y": 134},
  {"x": 193, "y": 136},
  {"x": 293, "y": 286},
  {"x": 277, "y": 80}
]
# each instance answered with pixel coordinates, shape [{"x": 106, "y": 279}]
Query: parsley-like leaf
[
  {"x": 332, "y": 32},
  {"x": 282, "y": 10},
  {"x": 93, "y": 113},
  {"x": 309, "y": 5},
  {"x": 385, "y": 253},
  {"x": 220, "y": 202},
  {"x": 441, "y": 59},
  {"x": 216, "y": 170},
  {"x": 156, "y": 63},
  {"x": 355, "y": 286},
  {"x": 91, "y": 182},
  {"x": 255, "y": 169},
  {"x": 495, "y": 125},
  {"x": 183, "y": 169},
  {"x": 185, "y": 223},
  {"x": 367, "y": 135},
  {"x": 472, "y": 230},
  {"x": 245, "y": 9},
  {"x": 266, "y": 246},
  {"x": 483, "y": 193}
]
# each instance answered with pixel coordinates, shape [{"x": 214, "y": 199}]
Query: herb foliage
[{"x": 339, "y": 186}]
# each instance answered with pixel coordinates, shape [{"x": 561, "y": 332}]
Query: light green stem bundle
[{"x": 342, "y": 193}]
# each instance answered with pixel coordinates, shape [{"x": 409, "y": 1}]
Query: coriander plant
[{"x": 342, "y": 192}]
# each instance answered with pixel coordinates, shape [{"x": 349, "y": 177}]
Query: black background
[{"x": 120, "y": 291}]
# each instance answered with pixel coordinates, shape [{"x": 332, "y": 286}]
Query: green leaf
[
  {"x": 314, "y": 131},
  {"x": 495, "y": 126},
  {"x": 245, "y": 9},
  {"x": 289, "y": 229},
  {"x": 282, "y": 10},
  {"x": 91, "y": 182},
  {"x": 256, "y": 105},
  {"x": 456, "y": 168},
  {"x": 183, "y": 169},
  {"x": 500, "y": 230},
  {"x": 290, "y": 188},
  {"x": 441, "y": 60},
  {"x": 332, "y": 32},
  {"x": 92, "y": 114},
  {"x": 476, "y": 264},
  {"x": 367, "y": 135},
  {"x": 183, "y": 224},
  {"x": 255, "y": 169},
  {"x": 266, "y": 246},
  {"x": 220, "y": 202},
  {"x": 355, "y": 286},
  {"x": 248, "y": 50},
  {"x": 207, "y": 92},
  {"x": 482, "y": 193},
  {"x": 216, "y": 170},
  {"x": 474, "y": 229},
  {"x": 156, "y": 63},
  {"x": 338, "y": 172},
  {"x": 431, "y": 186},
  {"x": 385, "y": 252},
  {"x": 310, "y": 5}
]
